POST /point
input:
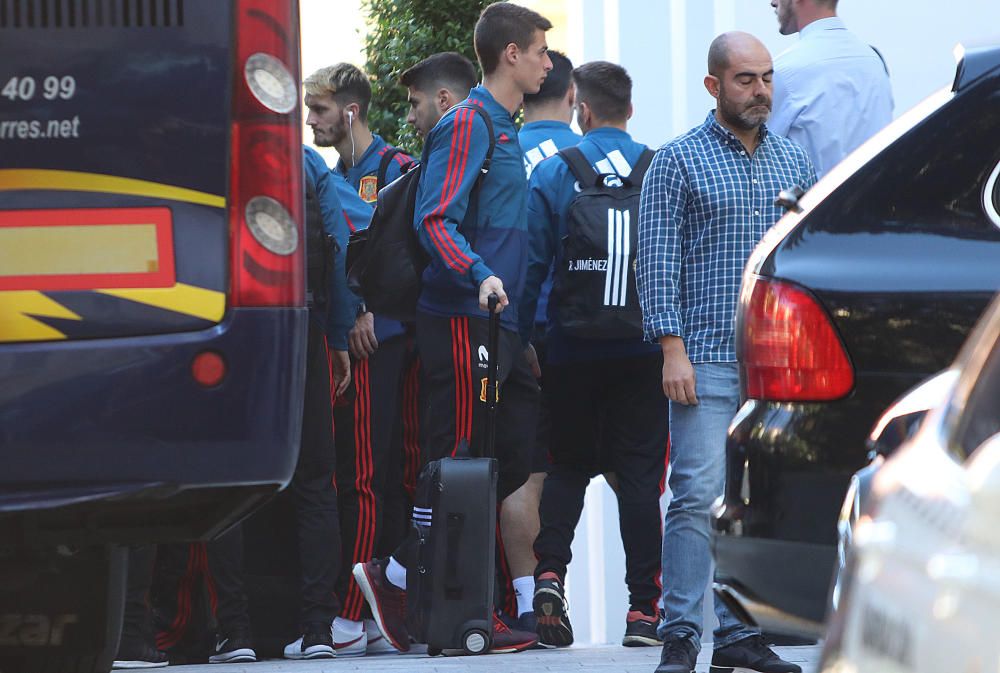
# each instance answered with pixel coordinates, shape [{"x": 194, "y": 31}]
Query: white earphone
[{"x": 350, "y": 116}]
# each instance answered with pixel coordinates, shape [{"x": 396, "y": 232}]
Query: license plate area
[{"x": 86, "y": 249}]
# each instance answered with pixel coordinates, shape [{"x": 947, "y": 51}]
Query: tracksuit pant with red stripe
[
  {"x": 370, "y": 464},
  {"x": 611, "y": 415},
  {"x": 314, "y": 497},
  {"x": 454, "y": 358}
]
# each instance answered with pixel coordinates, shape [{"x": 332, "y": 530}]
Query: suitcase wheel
[{"x": 475, "y": 641}]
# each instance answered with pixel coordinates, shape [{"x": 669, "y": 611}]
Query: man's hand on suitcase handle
[{"x": 492, "y": 285}]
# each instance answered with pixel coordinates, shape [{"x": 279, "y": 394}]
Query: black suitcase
[{"x": 450, "y": 584}]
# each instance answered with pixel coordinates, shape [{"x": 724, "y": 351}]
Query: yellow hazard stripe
[
  {"x": 21, "y": 310},
  {"x": 18, "y": 310},
  {"x": 187, "y": 299},
  {"x": 37, "y": 178}
]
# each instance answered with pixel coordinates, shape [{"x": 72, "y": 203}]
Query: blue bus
[{"x": 152, "y": 296}]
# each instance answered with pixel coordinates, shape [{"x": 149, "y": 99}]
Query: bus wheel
[{"x": 61, "y": 608}]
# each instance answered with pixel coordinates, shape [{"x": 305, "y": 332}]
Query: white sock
[
  {"x": 524, "y": 589},
  {"x": 396, "y": 574},
  {"x": 348, "y": 628}
]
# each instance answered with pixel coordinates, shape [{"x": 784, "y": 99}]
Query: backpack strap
[
  {"x": 578, "y": 164},
  {"x": 485, "y": 116},
  {"x": 383, "y": 166},
  {"x": 641, "y": 166}
]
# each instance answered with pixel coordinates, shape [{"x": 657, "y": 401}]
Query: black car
[{"x": 867, "y": 290}]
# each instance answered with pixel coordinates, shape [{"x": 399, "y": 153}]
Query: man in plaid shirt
[{"x": 706, "y": 201}]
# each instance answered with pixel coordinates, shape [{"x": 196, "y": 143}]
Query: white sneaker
[
  {"x": 349, "y": 645},
  {"x": 377, "y": 643}
]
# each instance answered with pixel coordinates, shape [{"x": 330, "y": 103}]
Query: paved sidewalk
[{"x": 597, "y": 659}]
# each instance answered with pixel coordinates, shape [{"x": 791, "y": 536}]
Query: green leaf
[{"x": 401, "y": 33}]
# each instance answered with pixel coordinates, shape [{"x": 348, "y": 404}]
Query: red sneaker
[
  {"x": 507, "y": 640},
  {"x": 387, "y": 602}
]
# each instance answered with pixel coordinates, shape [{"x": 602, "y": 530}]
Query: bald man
[{"x": 706, "y": 201}]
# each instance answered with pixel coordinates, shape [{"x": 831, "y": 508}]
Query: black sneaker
[
  {"x": 233, "y": 648},
  {"x": 640, "y": 630},
  {"x": 751, "y": 655},
  {"x": 315, "y": 643},
  {"x": 133, "y": 655},
  {"x": 552, "y": 611},
  {"x": 679, "y": 655}
]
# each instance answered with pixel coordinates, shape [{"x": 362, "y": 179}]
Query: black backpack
[
  {"x": 386, "y": 261},
  {"x": 594, "y": 286}
]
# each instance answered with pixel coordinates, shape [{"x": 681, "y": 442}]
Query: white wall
[{"x": 664, "y": 43}]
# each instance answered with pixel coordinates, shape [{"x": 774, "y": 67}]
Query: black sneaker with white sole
[
  {"x": 233, "y": 648},
  {"x": 552, "y": 611},
  {"x": 750, "y": 655},
  {"x": 133, "y": 655},
  {"x": 315, "y": 643},
  {"x": 640, "y": 630}
]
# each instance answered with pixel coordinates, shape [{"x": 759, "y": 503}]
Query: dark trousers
[
  {"x": 612, "y": 416},
  {"x": 369, "y": 462},
  {"x": 454, "y": 355},
  {"x": 314, "y": 498},
  {"x": 137, "y": 624}
]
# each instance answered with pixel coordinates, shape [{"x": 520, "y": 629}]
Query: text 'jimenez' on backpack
[
  {"x": 386, "y": 261},
  {"x": 594, "y": 286}
]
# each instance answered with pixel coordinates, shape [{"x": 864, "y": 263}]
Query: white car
[{"x": 921, "y": 592}]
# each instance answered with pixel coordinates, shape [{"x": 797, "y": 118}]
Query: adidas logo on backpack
[{"x": 594, "y": 287}]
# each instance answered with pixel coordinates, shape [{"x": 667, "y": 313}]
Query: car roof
[{"x": 974, "y": 61}]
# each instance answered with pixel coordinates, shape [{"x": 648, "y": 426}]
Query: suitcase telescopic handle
[{"x": 491, "y": 381}]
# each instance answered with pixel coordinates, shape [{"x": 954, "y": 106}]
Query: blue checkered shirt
[{"x": 705, "y": 204}]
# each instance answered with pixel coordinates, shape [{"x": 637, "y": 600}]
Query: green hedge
[{"x": 401, "y": 33}]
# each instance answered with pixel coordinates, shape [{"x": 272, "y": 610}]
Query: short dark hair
[
  {"x": 556, "y": 83},
  {"x": 501, "y": 24},
  {"x": 345, "y": 82},
  {"x": 606, "y": 88},
  {"x": 448, "y": 69}
]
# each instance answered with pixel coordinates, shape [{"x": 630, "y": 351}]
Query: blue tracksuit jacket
[
  {"x": 363, "y": 177},
  {"x": 541, "y": 140},
  {"x": 466, "y": 245},
  {"x": 342, "y": 303},
  {"x": 551, "y": 190}
]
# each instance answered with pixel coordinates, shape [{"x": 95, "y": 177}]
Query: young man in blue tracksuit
[
  {"x": 477, "y": 241},
  {"x": 547, "y": 115},
  {"x": 603, "y": 393},
  {"x": 369, "y": 436}
]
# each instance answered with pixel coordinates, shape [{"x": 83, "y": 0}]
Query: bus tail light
[
  {"x": 266, "y": 209},
  {"x": 790, "y": 350}
]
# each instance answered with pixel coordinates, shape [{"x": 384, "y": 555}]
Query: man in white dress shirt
[{"x": 831, "y": 89}]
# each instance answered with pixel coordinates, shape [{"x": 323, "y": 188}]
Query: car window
[
  {"x": 933, "y": 179},
  {"x": 981, "y": 417}
]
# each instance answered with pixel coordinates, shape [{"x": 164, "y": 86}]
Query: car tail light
[
  {"x": 265, "y": 171},
  {"x": 790, "y": 350}
]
